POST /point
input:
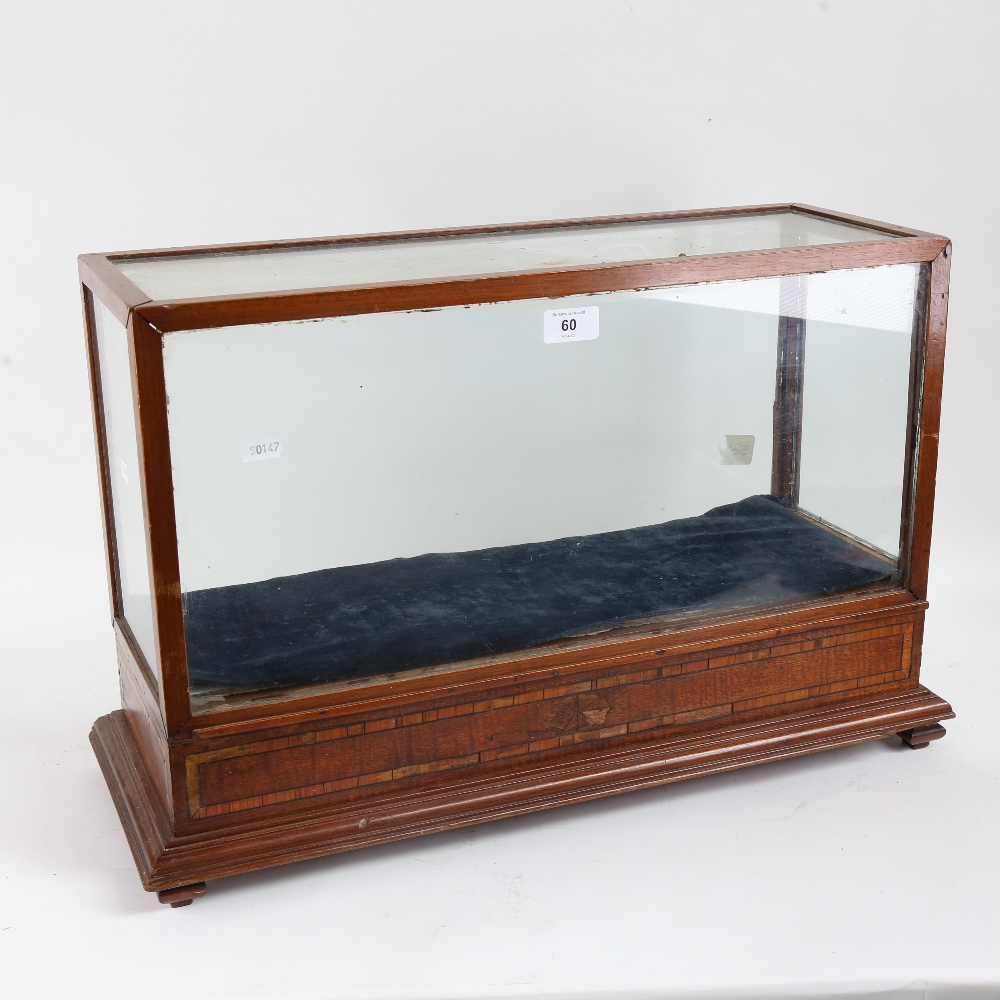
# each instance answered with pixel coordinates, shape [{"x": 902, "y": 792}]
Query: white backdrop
[{"x": 126, "y": 125}]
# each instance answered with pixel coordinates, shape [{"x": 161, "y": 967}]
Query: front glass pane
[
  {"x": 369, "y": 495},
  {"x": 246, "y": 272},
  {"x": 126, "y": 494}
]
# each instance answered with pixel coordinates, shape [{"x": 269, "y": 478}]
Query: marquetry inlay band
[{"x": 397, "y": 747}]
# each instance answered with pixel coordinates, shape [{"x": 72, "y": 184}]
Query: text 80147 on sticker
[
  {"x": 560, "y": 326},
  {"x": 258, "y": 451}
]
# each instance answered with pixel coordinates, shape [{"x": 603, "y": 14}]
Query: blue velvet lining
[{"x": 357, "y": 621}]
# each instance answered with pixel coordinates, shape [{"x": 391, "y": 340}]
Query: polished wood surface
[
  {"x": 166, "y": 859},
  {"x": 270, "y": 777},
  {"x": 526, "y": 722},
  {"x": 183, "y": 895},
  {"x": 918, "y": 344},
  {"x": 922, "y": 736},
  {"x": 146, "y": 357},
  {"x": 101, "y": 444},
  {"x": 312, "y": 785},
  {"x": 144, "y": 714},
  {"x": 786, "y": 446},
  {"x": 929, "y": 397},
  {"x": 103, "y": 279}
]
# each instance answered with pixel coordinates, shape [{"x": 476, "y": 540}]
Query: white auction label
[
  {"x": 260, "y": 450},
  {"x": 562, "y": 325}
]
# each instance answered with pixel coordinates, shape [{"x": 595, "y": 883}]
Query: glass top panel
[{"x": 256, "y": 271}]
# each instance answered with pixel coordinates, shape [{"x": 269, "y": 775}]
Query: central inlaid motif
[{"x": 583, "y": 711}]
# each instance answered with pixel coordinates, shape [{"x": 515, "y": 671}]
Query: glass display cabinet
[{"x": 412, "y": 531}]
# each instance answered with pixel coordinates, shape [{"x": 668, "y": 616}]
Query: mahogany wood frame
[
  {"x": 786, "y": 449},
  {"x": 212, "y": 793}
]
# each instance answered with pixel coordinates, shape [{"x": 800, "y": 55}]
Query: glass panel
[
  {"x": 856, "y": 390},
  {"x": 126, "y": 495},
  {"x": 260, "y": 271},
  {"x": 372, "y": 494}
]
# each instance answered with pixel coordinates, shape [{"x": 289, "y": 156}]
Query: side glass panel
[
  {"x": 363, "y": 496},
  {"x": 126, "y": 493},
  {"x": 855, "y": 396}
]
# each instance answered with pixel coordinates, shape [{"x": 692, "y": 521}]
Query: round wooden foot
[
  {"x": 922, "y": 736},
  {"x": 182, "y": 895}
]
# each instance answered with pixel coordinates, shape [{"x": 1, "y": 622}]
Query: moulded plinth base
[{"x": 168, "y": 861}]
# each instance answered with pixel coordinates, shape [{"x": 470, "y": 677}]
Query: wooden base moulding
[{"x": 257, "y": 793}]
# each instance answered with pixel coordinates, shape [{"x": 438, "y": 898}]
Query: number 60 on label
[{"x": 561, "y": 326}]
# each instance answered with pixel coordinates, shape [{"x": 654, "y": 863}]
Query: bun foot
[
  {"x": 920, "y": 737},
  {"x": 182, "y": 895}
]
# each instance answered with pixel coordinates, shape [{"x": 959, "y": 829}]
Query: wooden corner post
[{"x": 786, "y": 457}]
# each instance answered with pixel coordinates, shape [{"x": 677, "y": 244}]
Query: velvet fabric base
[{"x": 358, "y": 621}]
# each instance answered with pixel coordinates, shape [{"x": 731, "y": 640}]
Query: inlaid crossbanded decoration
[{"x": 542, "y": 719}]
